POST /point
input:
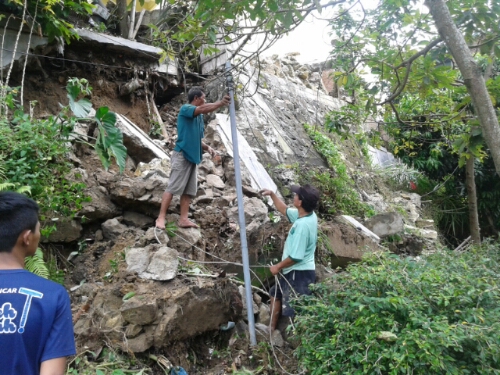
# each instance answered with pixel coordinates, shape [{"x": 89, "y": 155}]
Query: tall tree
[
  {"x": 426, "y": 99},
  {"x": 473, "y": 77}
]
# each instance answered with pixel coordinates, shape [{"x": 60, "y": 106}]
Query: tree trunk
[
  {"x": 122, "y": 16},
  {"x": 131, "y": 23},
  {"x": 473, "y": 78},
  {"x": 470, "y": 183}
]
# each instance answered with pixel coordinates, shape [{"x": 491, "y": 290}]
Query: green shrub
[
  {"x": 337, "y": 187},
  {"x": 389, "y": 315},
  {"x": 34, "y": 152},
  {"x": 35, "y": 156}
]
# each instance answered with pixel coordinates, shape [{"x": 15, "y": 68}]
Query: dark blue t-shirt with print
[{"x": 35, "y": 322}]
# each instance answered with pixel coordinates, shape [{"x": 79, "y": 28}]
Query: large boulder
[
  {"x": 100, "y": 206},
  {"x": 154, "y": 262},
  {"x": 158, "y": 315},
  {"x": 140, "y": 194},
  {"x": 386, "y": 224},
  {"x": 67, "y": 230},
  {"x": 347, "y": 243},
  {"x": 254, "y": 208},
  {"x": 185, "y": 239},
  {"x": 112, "y": 229}
]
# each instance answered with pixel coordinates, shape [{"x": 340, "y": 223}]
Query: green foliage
[
  {"x": 155, "y": 130},
  {"x": 56, "y": 274},
  {"x": 52, "y": 15},
  {"x": 74, "y": 88},
  {"x": 187, "y": 29},
  {"x": 392, "y": 315},
  {"x": 336, "y": 186},
  {"x": 108, "y": 362},
  {"x": 109, "y": 143},
  {"x": 37, "y": 265},
  {"x": 324, "y": 250},
  {"x": 171, "y": 229},
  {"x": 418, "y": 90},
  {"x": 401, "y": 176},
  {"x": 44, "y": 265},
  {"x": 34, "y": 153}
]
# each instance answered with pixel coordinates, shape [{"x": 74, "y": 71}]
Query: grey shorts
[{"x": 183, "y": 178}]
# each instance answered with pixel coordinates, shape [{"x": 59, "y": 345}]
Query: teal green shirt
[
  {"x": 190, "y": 132},
  {"x": 301, "y": 242}
]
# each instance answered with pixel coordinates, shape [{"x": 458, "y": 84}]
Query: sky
[{"x": 311, "y": 39}]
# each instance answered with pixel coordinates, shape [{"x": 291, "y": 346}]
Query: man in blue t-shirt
[
  {"x": 297, "y": 263},
  {"x": 36, "y": 329},
  {"x": 187, "y": 155}
]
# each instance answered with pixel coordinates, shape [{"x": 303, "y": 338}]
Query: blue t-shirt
[
  {"x": 300, "y": 244},
  {"x": 35, "y": 322},
  {"x": 190, "y": 132}
]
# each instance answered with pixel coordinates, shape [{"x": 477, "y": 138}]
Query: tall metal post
[{"x": 241, "y": 212}]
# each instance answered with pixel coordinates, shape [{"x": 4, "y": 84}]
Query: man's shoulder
[
  {"x": 187, "y": 110},
  {"x": 292, "y": 214},
  {"x": 312, "y": 220},
  {"x": 30, "y": 280}
]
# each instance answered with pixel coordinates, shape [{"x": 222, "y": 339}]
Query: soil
[{"x": 46, "y": 80}]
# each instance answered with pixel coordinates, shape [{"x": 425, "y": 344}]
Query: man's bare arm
[
  {"x": 210, "y": 107},
  {"x": 55, "y": 366},
  {"x": 209, "y": 149},
  {"x": 278, "y": 203},
  {"x": 275, "y": 269}
]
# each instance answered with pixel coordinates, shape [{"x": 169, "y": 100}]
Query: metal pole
[{"x": 241, "y": 212}]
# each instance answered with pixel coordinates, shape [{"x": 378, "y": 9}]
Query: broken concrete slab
[
  {"x": 425, "y": 233},
  {"x": 118, "y": 44},
  {"x": 139, "y": 144},
  {"x": 9, "y": 39},
  {"x": 356, "y": 224},
  {"x": 380, "y": 157},
  {"x": 424, "y": 223},
  {"x": 260, "y": 179},
  {"x": 385, "y": 224},
  {"x": 347, "y": 243}
]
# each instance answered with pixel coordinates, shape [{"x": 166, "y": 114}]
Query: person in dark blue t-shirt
[
  {"x": 36, "y": 329},
  {"x": 187, "y": 154}
]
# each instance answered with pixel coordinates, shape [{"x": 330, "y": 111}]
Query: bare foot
[
  {"x": 160, "y": 223},
  {"x": 187, "y": 224}
]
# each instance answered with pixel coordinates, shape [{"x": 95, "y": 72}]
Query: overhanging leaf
[
  {"x": 110, "y": 141},
  {"x": 80, "y": 108},
  {"x": 73, "y": 91}
]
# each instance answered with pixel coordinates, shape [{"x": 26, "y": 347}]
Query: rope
[{"x": 223, "y": 261}]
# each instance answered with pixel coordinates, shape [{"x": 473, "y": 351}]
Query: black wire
[{"x": 64, "y": 59}]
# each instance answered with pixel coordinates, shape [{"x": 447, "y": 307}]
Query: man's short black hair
[
  {"x": 309, "y": 196},
  {"x": 17, "y": 214},
  {"x": 195, "y": 91}
]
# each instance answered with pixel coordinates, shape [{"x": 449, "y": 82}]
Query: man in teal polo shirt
[
  {"x": 297, "y": 263},
  {"x": 187, "y": 154}
]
